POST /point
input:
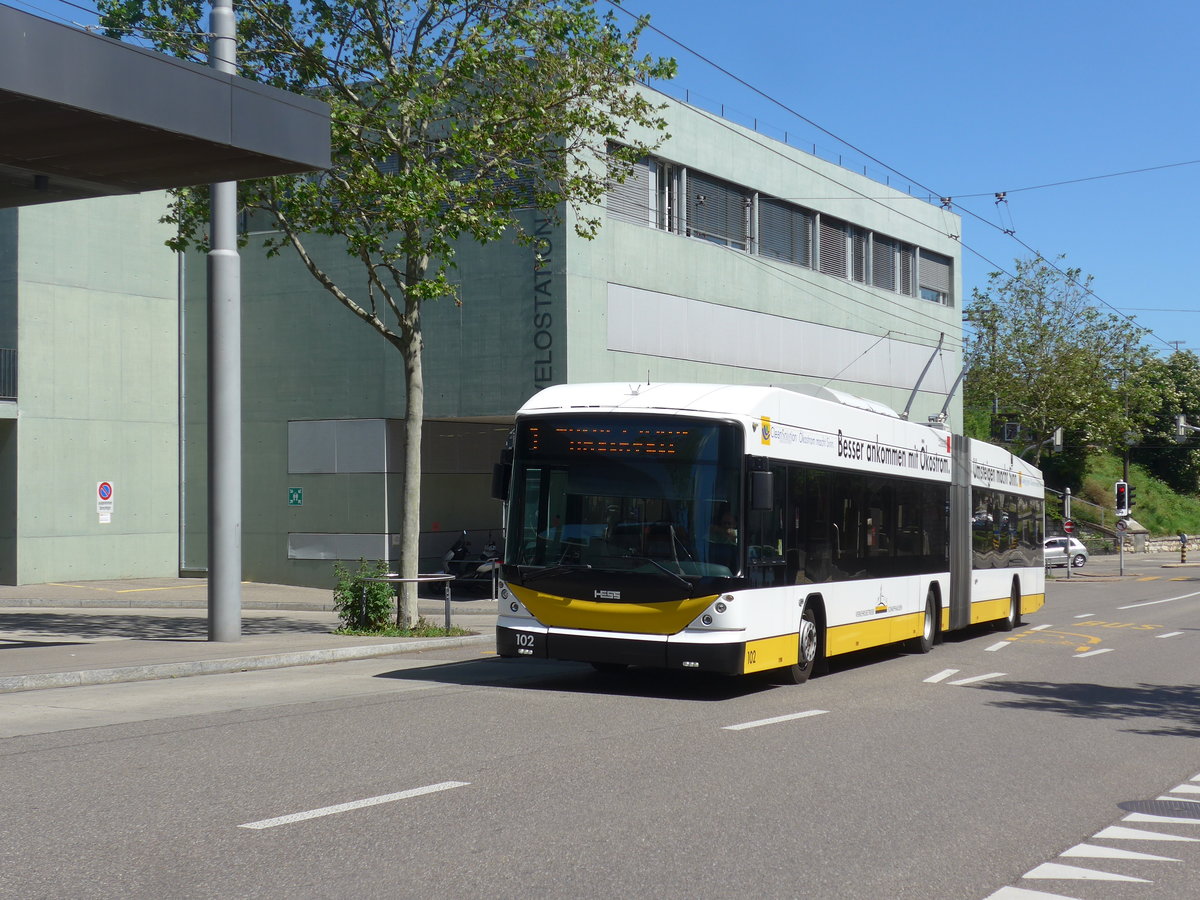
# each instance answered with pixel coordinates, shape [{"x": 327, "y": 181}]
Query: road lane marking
[
  {"x": 1076, "y": 873},
  {"x": 1169, "y": 634},
  {"x": 1146, "y": 817},
  {"x": 1041, "y": 627},
  {"x": 1016, "y": 893},
  {"x": 1150, "y": 578},
  {"x": 941, "y": 676},
  {"x": 1186, "y": 789},
  {"x": 975, "y": 678},
  {"x": 1155, "y": 602},
  {"x": 776, "y": 719},
  {"x": 1092, "y": 851},
  {"x": 1093, "y": 652},
  {"x": 999, "y": 646},
  {"x": 1084, "y": 616},
  {"x": 354, "y": 804},
  {"x": 1118, "y": 833}
]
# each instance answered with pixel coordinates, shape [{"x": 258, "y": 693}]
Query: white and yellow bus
[{"x": 740, "y": 529}]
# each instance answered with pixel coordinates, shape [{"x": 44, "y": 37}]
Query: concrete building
[
  {"x": 728, "y": 257},
  {"x": 89, "y": 321}
]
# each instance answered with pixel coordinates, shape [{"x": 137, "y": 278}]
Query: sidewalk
[{"x": 103, "y": 632}]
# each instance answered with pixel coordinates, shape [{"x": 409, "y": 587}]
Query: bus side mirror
[
  {"x": 501, "y": 476},
  {"x": 762, "y": 490}
]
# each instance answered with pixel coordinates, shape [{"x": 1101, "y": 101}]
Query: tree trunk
[{"x": 412, "y": 345}]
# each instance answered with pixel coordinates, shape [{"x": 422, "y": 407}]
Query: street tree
[
  {"x": 1178, "y": 464},
  {"x": 1039, "y": 349},
  {"x": 449, "y": 117}
]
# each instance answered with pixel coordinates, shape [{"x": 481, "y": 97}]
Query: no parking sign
[{"x": 104, "y": 501}]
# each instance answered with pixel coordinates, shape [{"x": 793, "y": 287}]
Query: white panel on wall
[{"x": 656, "y": 324}]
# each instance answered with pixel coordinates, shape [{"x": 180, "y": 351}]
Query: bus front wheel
[{"x": 809, "y": 650}]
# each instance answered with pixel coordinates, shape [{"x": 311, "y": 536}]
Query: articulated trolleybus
[{"x": 740, "y": 529}]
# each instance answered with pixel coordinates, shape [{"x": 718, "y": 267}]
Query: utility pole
[{"x": 224, "y": 376}]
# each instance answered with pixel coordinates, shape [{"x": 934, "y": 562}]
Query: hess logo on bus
[{"x": 607, "y": 595}]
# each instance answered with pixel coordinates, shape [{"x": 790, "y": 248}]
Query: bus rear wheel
[
  {"x": 1013, "y": 619},
  {"x": 809, "y": 650},
  {"x": 928, "y": 637}
]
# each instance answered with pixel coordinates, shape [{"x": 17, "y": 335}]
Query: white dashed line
[
  {"x": 1186, "y": 789},
  {"x": 1093, "y": 653},
  {"x": 997, "y": 646},
  {"x": 1016, "y": 893},
  {"x": 1076, "y": 873},
  {"x": 979, "y": 678},
  {"x": 354, "y": 804},
  {"x": 1118, "y": 833},
  {"x": 1155, "y": 602},
  {"x": 776, "y": 719},
  {"x": 941, "y": 676},
  {"x": 1169, "y": 634},
  {"x": 1092, "y": 851},
  {"x": 1146, "y": 817},
  {"x": 1040, "y": 627},
  {"x": 1084, "y": 616}
]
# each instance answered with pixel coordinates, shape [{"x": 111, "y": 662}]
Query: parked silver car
[{"x": 1057, "y": 552}]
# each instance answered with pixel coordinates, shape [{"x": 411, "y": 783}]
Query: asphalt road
[{"x": 996, "y": 765}]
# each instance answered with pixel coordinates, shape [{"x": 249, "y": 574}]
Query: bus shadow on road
[
  {"x": 581, "y": 678},
  {"x": 1175, "y": 708}
]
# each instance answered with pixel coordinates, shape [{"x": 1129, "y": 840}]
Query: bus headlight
[
  {"x": 514, "y": 606},
  {"x": 720, "y": 607},
  {"x": 706, "y": 619}
]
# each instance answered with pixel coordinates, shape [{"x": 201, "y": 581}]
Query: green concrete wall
[{"x": 97, "y": 343}]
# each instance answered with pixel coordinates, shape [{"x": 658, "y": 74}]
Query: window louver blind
[
  {"x": 833, "y": 247},
  {"x": 935, "y": 272},
  {"x": 883, "y": 263},
  {"x": 717, "y": 210},
  {"x": 630, "y": 201},
  {"x": 784, "y": 232}
]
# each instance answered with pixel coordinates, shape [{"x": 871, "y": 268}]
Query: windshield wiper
[
  {"x": 654, "y": 562},
  {"x": 551, "y": 570}
]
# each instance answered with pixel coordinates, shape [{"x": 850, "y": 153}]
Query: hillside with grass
[{"x": 1156, "y": 507}]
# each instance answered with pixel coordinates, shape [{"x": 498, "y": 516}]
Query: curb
[{"x": 124, "y": 674}]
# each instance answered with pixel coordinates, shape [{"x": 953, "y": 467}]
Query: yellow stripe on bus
[
  {"x": 669, "y": 617},
  {"x": 771, "y": 653}
]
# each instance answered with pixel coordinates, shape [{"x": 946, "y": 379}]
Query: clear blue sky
[
  {"x": 971, "y": 99},
  {"x": 980, "y": 97}
]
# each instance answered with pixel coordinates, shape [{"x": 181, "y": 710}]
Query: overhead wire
[{"x": 947, "y": 198}]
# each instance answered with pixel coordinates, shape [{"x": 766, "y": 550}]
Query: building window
[
  {"x": 631, "y": 200},
  {"x": 670, "y": 197},
  {"x": 785, "y": 232},
  {"x": 718, "y": 211},
  {"x": 883, "y": 263},
  {"x": 833, "y": 234},
  {"x": 907, "y": 269},
  {"x": 860, "y": 246},
  {"x": 934, "y": 277}
]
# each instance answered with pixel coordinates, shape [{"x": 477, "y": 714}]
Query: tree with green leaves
[
  {"x": 449, "y": 117},
  {"x": 1041, "y": 351},
  {"x": 1178, "y": 464}
]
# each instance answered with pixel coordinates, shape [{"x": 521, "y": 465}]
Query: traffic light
[
  {"x": 1129, "y": 491},
  {"x": 1122, "y": 497}
]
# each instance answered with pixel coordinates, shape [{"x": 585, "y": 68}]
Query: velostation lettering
[{"x": 543, "y": 299}]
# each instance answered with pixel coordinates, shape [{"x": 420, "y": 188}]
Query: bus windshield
[{"x": 646, "y": 494}]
